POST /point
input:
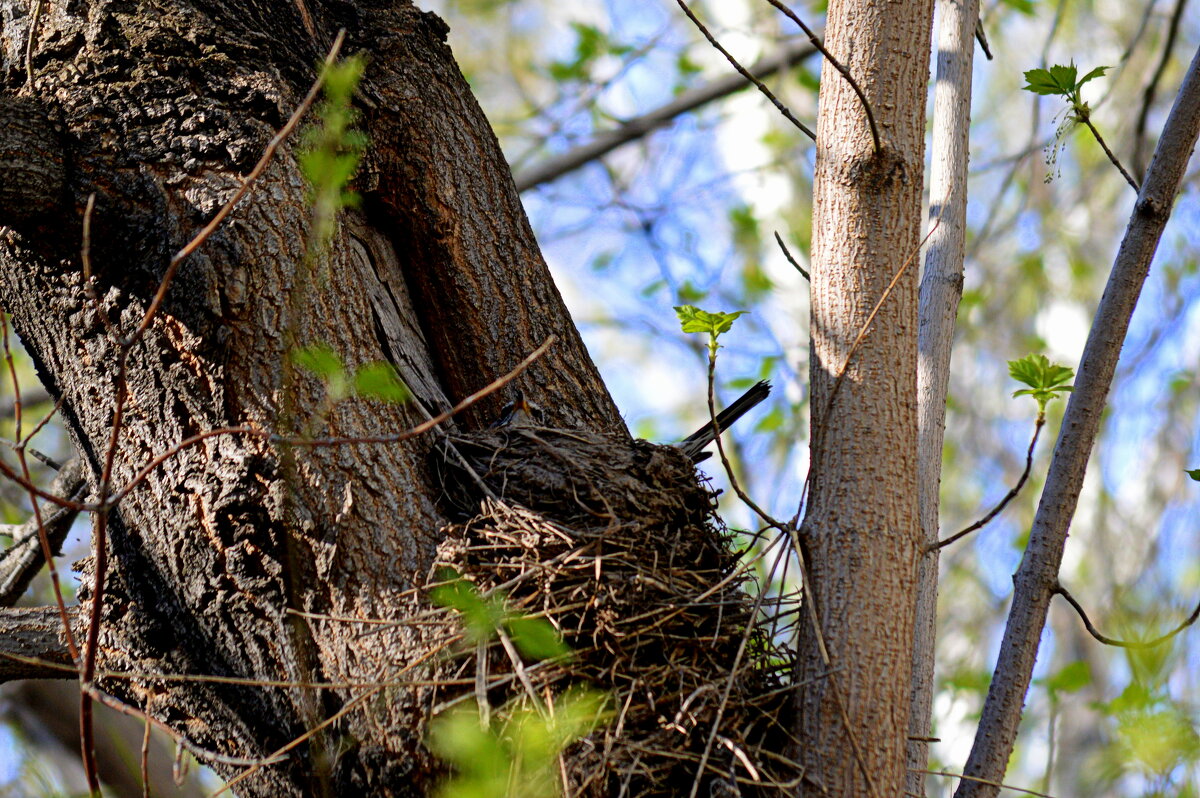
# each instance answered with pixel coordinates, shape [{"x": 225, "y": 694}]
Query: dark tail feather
[{"x": 694, "y": 444}]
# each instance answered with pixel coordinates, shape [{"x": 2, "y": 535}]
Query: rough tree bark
[
  {"x": 160, "y": 108},
  {"x": 860, "y": 534}
]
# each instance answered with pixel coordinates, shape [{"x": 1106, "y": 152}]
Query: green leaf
[
  {"x": 694, "y": 320},
  {"x": 1194, "y": 473},
  {"x": 320, "y": 359},
  {"x": 688, "y": 292},
  {"x": 536, "y": 638},
  {"x": 1064, "y": 76},
  {"x": 1023, "y": 6},
  {"x": 379, "y": 380},
  {"x": 1095, "y": 73},
  {"x": 1043, "y": 81},
  {"x": 481, "y": 615},
  {"x": 1046, "y": 380},
  {"x": 1070, "y": 678}
]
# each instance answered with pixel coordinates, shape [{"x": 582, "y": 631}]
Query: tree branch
[
  {"x": 1133, "y": 644},
  {"x": 1139, "y": 129},
  {"x": 836, "y": 64},
  {"x": 22, "y": 560},
  {"x": 604, "y": 143},
  {"x": 783, "y": 109},
  {"x": 31, "y": 644},
  {"x": 1012, "y": 494},
  {"x": 1036, "y": 579}
]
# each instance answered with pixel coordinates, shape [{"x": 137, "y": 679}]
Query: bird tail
[{"x": 694, "y": 444}]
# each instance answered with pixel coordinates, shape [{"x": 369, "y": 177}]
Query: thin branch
[
  {"x": 788, "y": 254},
  {"x": 20, "y": 562},
  {"x": 783, "y": 109},
  {"x": 997, "y": 784},
  {"x": 1131, "y": 644},
  {"x": 398, "y": 437},
  {"x": 1086, "y": 119},
  {"x": 982, "y": 522},
  {"x": 981, "y": 37},
  {"x": 845, "y": 73},
  {"x": 1036, "y": 579},
  {"x": 36, "y": 396},
  {"x": 31, "y": 40},
  {"x": 36, "y": 633},
  {"x": 1139, "y": 129},
  {"x": 633, "y": 129}
]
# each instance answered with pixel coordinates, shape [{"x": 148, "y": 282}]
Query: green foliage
[
  {"x": 516, "y": 754},
  {"x": 1060, "y": 80},
  {"x": 1070, "y": 678},
  {"x": 483, "y": 616},
  {"x": 1046, "y": 380},
  {"x": 322, "y": 361},
  {"x": 330, "y": 149},
  {"x": 1194, "y": 473},
  {"x": 1024, "y": 6},
  {"x": 377, "y": 380},
  {"x": 590, "y": 44},
  {"x": 1157, "y": 741},
  {"x": 694, "y": 320}
]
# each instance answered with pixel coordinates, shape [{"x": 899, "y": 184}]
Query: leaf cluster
[
  {"x": 517, "y": 752},
  {"x": 694, "y": 320},
  {"x": 375, "y": 380},
  {"x": 1062, "y": 81},
  {"x": 1046, "y": 380},
  {"x": 484, "y": 616}
]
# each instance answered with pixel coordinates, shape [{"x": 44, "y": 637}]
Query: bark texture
[
  {"x": 941, "y": 290},
  {"x": 162, "y": 107},
  {"x": 860, "y": 533}
]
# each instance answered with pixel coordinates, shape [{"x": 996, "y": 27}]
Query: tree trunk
[
  {"x": 161, "y": 108},
  {"x": 860, "y": 535}
]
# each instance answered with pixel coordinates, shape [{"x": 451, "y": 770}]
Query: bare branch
[
  {"x": 1139, "y": 129},
  {"x": 22, "y": 560},
  {"x": 1036, "y": 579},
  {"x": 836, "y": 64},
  {"x": 788, "y": 254},
  {"x": 31, "y": 645},
  {"x": 37, "y": 396},
  {"x": 604, "y": 143},
  {"x": 783, "y": 109},
  {"x": 1085, "y": 117},
  {"x": 1132, "y": 644},
  {"x": 1012, "y": 494}
]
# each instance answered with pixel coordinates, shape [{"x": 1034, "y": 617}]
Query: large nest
[{"x": 616, "y": 544}]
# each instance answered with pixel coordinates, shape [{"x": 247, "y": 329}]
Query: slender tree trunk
[
  {"x": 860, "y": 534},
  {"x": 941, "y": 290}
]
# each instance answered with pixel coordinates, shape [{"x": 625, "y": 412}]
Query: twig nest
[{"x": 615, "y": 542}]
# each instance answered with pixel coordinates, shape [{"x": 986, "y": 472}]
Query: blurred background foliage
[{"x": 687, "y": 215}]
